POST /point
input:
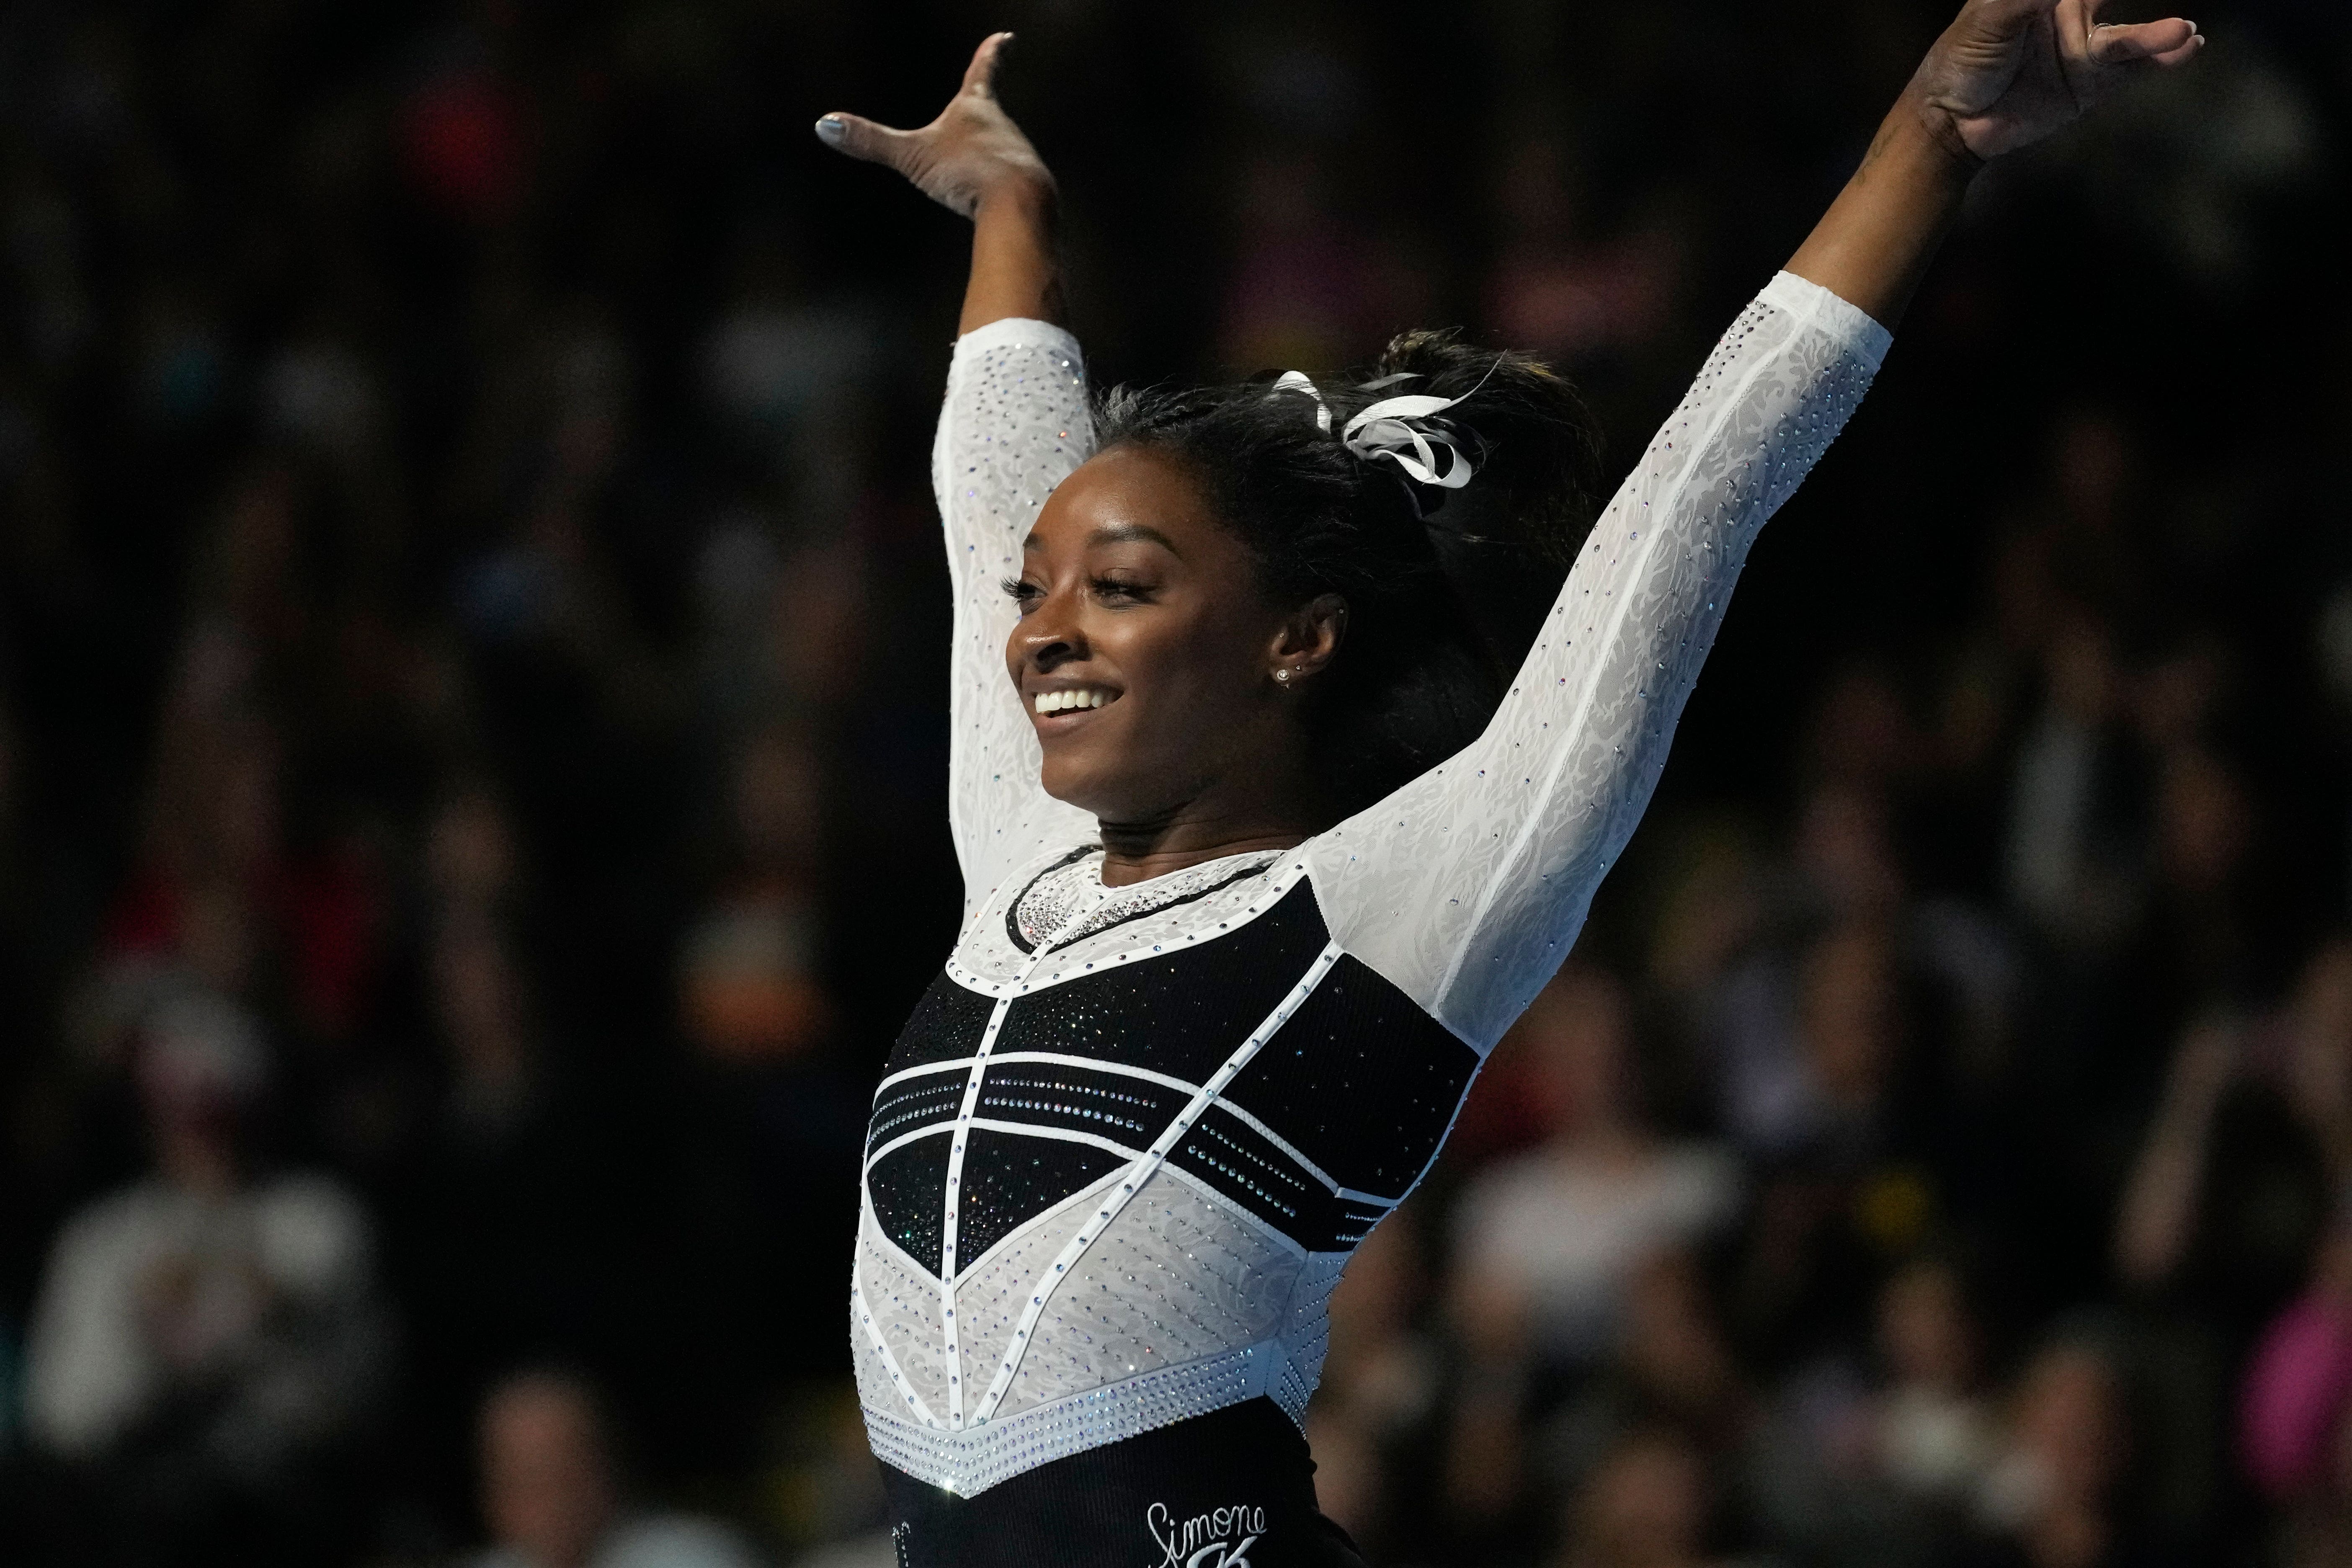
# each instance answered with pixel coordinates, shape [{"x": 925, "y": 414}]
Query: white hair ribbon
[
  {"x": 1396, "y": 427},
  {"x": 1393, "y": 426},
  {"x": 1297, "y": 380}
]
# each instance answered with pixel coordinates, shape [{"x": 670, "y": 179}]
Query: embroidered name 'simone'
[{"x": 1217, "y": 1539}]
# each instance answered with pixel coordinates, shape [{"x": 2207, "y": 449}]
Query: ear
[{"x": 1309, "y": 640}]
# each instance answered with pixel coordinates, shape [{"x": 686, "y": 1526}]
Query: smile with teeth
[{"x": 1081, "y": 697}]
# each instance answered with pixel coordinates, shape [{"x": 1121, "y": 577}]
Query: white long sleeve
[
  {"x": 1015, "y": 426},
  {"x": 1129, "y": 1139},
  {"x": 1466, "y": 888}
]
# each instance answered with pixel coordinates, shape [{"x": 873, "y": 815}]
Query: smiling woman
[{"x": 1260, "y": 855}]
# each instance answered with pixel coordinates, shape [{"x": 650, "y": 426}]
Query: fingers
[
  {"x": 2169, "y": 42},
  {"x": 862, "y": 138},
  {"x": 979, "y": 76}
]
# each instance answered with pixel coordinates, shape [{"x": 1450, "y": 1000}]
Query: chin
[
  {"x": 1073, "y": 784},
  {"x": 1109, "y": 794}
]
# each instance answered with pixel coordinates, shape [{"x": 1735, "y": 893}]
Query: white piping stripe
[
  {"x": 1044, "y": 1216},
  {"x": 1032, "y": 1129},
  {"x": 953, "y": 1343},
  {"x": 1141, "y": 1172},
  {"x": 1226, "y": 1206},
  {"x": 873, "y": 1331},
  {"x": 1279, "y": 1142},
  {"x": 903, "y": 1139},
  {"x": 1060, "y": 1059},
  {"x": 1092, "y": 1064},
  {"x": 1263, "y": 901},
  {"x": 949, "y": 1065},
  {"x": 948, "y": 1219},
  {"x": 1227, "y": 1106},
  {"x": 1065, "y": 1134}
]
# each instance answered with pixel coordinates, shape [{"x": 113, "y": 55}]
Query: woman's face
[{"x": 1145, "y": 638}]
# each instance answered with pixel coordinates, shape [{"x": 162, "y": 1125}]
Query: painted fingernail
[{"x": 831, "y": 129}]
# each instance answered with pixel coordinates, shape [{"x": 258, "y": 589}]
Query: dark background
[{"x": 465, "y": 534}]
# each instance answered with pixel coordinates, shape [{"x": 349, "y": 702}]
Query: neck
[
  {"x": 1137, "y": 853},
  {"x": 1206, "y": 828},
  {"x": 1270, "y": 801}
]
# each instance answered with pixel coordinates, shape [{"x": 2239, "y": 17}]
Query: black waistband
[{"x": 1234, "y": 1488}]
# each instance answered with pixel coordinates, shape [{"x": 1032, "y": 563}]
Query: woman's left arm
[
  {"x": 1466, "y": 888},
  {"x": 2004, "y": 75},
  {"x": 1013, "y": 425}
]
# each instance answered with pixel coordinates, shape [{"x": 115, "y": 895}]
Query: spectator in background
[
  {"x": 1371, "y": 1414},
  {"x": 1550, "y": 1244},
  {"x": 2293, "y": 1435},
  {"x": 1645, "y": 1505},
  {"x": 1830, "y": 1189},
  {"x": 1879, "y": 1465},
  {"x": 1932, "y": 1432},
  {"x": 1553, "y": 1236},
  {"x": 2244, "y": 1155},
  {"x": 1674, "y": 1368},
  {"x": 552, "y": 1491},
  {"x": 749, "y": 982},
  {"x": 210, "y": 1335},
  {"x": 2050, "y": 1500}
]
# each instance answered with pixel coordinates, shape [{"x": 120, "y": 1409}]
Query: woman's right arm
[
  {"x": 1015, "y": 425},
  {"x": 1466, "y": 888}
]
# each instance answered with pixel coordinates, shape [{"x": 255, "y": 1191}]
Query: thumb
[
  {"x": 979, "y": 76},
  {"x": 861, "y": 138}
]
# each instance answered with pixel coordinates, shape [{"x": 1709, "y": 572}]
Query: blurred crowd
[{"x": 472, "y": 745}]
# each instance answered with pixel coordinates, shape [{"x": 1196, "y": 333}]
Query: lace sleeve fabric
[
  {"x": 1015, "y": 426},
  {"x": 1466, "y": 888}
]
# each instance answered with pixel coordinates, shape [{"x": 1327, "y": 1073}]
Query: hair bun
[{"x": 1528, "y": 431}]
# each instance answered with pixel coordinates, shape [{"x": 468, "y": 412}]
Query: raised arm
[
  {"x": 1015, "y": 425},
  {"x": 974, "y": 161},
  {"x": 2004, "y": 75},
  {"x": 1467, "y": 886}
]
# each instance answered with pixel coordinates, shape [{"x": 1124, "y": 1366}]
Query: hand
[
  {"x": 971, "y": 153},
  {"x": 2006, "y": 73}
]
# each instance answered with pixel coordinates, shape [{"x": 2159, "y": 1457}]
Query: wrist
[
  {"x": 1024, "y": 197},
  {"x": 1928, "y": 132}
]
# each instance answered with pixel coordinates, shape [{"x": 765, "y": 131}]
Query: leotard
[{"x": 1130, "y": 1135}]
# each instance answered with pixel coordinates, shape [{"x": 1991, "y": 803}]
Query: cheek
[{"x": 1202, "y": 669}]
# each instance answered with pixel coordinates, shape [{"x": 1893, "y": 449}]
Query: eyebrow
[{"x": 1119, "y": 533}]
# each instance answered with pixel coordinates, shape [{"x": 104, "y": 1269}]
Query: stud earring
[{"x": 1282, "y": 675}]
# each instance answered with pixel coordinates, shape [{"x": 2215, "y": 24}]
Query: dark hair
[{"x": 1426, "y": 572}]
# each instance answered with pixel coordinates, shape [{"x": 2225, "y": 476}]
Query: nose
[{"x": 1049, "y": 636}]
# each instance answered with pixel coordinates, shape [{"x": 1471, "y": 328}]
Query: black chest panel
[
  {"x": 1358, "y": 1079},
  {"x": 1180, "y": 1014}
]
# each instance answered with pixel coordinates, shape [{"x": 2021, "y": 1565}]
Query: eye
[
  {"x": 1121, "y": 591},
  {"x": 1022, "y": 592}
]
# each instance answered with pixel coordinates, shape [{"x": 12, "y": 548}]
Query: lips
[{"x": 1070, "y": 699}]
